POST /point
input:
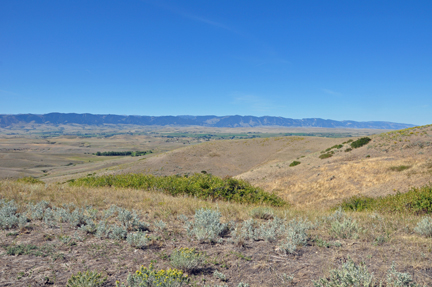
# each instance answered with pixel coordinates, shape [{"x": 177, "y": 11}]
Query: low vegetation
[
  {"x": 205, "y": 186},
  {"x": 326, "y": 155},
  {"x": 400, "y": 167},
  {"x": 360, "y": 142},
  {"x": 30, "y": 180},
  {"x": 294, "y": 163},
  {"x": 418, "y": 200},
  {"x": 201, "y": 243}
]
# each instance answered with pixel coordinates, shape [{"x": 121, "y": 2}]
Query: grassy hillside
[{"x": 390, "y": 162}]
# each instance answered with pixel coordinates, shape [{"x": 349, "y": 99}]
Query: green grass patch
[
  {"x": 204, "y": 186},
  {"x": 25, "y": 249},
  {"x": 30, "y": 180},
  {"x": 400, "y": 167},
  {"x": 418, "y": 200},
  {"x": 294, "y": 163}
]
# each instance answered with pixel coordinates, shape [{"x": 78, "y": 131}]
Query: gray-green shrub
[
  {"x": 206, "y": 225},
  {"x": 349, "y": 274},
  {"x": 424, "y": 227},
  {"x": 138, "y": 240},
  {"x": 186, "y": 259}
]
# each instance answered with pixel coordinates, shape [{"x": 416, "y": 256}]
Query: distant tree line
[{"x": 122, "y": 153}]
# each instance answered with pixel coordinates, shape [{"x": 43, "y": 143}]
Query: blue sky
[{"x": 341, "y": 60}]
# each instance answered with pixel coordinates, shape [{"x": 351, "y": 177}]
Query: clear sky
[{"x": 341, "y": 60}]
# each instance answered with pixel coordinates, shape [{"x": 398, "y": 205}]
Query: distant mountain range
[{"x": 208, "y": 121}]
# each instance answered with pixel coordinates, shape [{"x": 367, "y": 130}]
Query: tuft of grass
[
  {"x": 418, "y": 200},
  {"x": 400, "y": 167},
  {"x": 260, "y": 212},
  {"x": 204, "y": 186}
]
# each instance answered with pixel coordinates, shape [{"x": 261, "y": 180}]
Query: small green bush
[
  {"x": 326, "y": 155},
  {"x": 400, "y": 167},
  {"x": 360, "y": 142},
  {"x": 186, "y": 259},
  {"x": 88, "y": 279},
  {"x": 294, "y": 163},
  {"x": 348, "y": 149}
]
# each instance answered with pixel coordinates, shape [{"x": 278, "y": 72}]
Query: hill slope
[{"x": 393, "y": 161}]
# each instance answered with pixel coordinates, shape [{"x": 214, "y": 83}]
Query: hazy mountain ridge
[{"x": 209, "y": 121}]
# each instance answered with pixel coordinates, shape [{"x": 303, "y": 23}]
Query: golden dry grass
[{"x": 363, "y": 171}]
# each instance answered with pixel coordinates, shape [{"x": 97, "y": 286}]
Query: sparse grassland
[{"x": 79, "y": 227}]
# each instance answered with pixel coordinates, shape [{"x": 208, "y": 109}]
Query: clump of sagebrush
[
  {"x": 219, "y": 275},
  {"x": 88, "y": 279},
  {"x": 360, "y": 142},
  {"x": 138, "y": 240},
  {"x": 342, "y": 225},
  {"x": 289, "y": 235},
  {"x": 150, "y": 277},
  {"x": 295, "y": 235},
  {"x": 186, "y": 259},
  {"x": 9, "y": 217},
  {"x": 351, "y": 274},
  {"x": 424, "y": 227},
  {"x": 294, "y": 163},
  {"x": 202, "y": 186},
  {"x": 206, "y": 225},
  {"x": 418, "y": 200}
]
